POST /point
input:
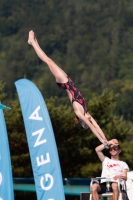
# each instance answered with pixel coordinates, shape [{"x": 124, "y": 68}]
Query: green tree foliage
[
  {"x": 2, "y": 94},
  {"x": 127, "y": 152},
  {"x": 92, "y": 38},
  {"x": 124, "y": 91}
]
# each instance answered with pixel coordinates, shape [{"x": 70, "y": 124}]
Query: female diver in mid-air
[{"x": 83, "y": 119}]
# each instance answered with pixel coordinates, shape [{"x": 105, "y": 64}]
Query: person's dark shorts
[{"x": 103, "y": 188}]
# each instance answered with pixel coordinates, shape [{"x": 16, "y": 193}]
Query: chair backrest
[{"x": 129, "y": 184}]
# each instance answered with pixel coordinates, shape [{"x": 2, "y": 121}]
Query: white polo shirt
[{"x": 111, "y": 168}]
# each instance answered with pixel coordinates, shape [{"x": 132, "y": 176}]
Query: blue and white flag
[
  {"x": 41, "y": 141},
  {"x": 6, "y": 180},
  {"x": 3, "y": 107}
]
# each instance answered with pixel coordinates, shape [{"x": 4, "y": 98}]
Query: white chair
[
  {"x": 129, "y": 184},
  {"x": 121, "y": 183}
]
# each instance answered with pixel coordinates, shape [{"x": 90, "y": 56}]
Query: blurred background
[{"x": 93, "y": 42}]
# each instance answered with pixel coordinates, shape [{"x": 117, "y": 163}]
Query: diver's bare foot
[{"x": 31, "y": 38}]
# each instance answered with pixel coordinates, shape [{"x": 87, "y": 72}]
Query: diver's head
[{"x": 80, "y": 124}]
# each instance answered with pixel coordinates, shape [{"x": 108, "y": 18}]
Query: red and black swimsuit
[{"x": 76, "y": 95}]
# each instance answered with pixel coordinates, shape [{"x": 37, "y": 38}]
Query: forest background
[{"x": 93, "y": 42}]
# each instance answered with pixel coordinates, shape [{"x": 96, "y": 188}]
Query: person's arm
[
  {"x": 100, "y": 148},
  {"x": 99, "y": 130},
  {"x": 123, "y": 176},
  {"x": 99, "y": 152},
  {"x": 92, "y": 127}
]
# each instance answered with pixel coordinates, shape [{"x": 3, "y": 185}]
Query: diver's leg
[{"x": 58, "y": 73}]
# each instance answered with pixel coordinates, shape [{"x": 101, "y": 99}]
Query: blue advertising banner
[
  {"x": 41, "y": 141},
  {"x": 6, "y": 180}
]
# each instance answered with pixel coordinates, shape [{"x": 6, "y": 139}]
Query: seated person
[{"x": 112, "y": 168}]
